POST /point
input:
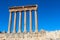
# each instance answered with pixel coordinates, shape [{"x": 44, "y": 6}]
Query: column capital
[
  {"x": 20, "y": 11},
  {"x": 25, "y": 10},
  {"x": 30, "y": 10},
  {"x": 14, "y": 11},
  {"x": 10, "y": 11}
]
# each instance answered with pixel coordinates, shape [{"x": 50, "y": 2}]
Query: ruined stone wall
[
  {"x": 42, "y": 35},
  {"x": 19, "y": 36}
]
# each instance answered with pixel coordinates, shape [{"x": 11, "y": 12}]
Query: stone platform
[
  {"x": 42, "y": 35},
  {"x": 19, "y": 36}
]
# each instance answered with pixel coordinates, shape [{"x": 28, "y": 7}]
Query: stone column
[
  {"x": 36, "y": 21},
  {"x": 25, "y": 21},
  {"x": 20, "y": 21},
  {"x": 14, "y": 31},
  {"x": 10, "y": 19},
  {"x": 30, "y": 21}
]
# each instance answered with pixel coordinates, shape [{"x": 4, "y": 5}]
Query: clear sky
[{"x": 48, "y": 13}]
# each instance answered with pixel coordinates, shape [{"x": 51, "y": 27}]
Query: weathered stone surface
[{"x": 43, "y": 35}]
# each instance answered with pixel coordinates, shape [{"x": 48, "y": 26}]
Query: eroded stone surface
[{"x": 53, "y": 35}]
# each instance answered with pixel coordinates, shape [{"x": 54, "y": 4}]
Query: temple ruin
[{"x": 42, "y": 35}]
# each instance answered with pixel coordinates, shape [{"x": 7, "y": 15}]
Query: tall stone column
[
  {"x": 36, "y": 21},
  {"x": 20, "y": 21},
  {"x": 30, "y": 21},
  {"x": 10, "y": 19},
  {"x": 14, "y": 31},
  {"x": 25, "y": 21}
]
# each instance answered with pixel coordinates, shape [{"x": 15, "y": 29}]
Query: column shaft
[
  {"x": 30, "y": 21},
  {"x": 24, "y": 21},
  {"x": 14, "y": 31},
  {"x": 36, "y": 21},
  {"x": 20, "y": 21},
  {"x": 10, "y": 19}
]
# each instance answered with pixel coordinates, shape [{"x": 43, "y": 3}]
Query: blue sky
[{"x": 48, "y": 13}]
